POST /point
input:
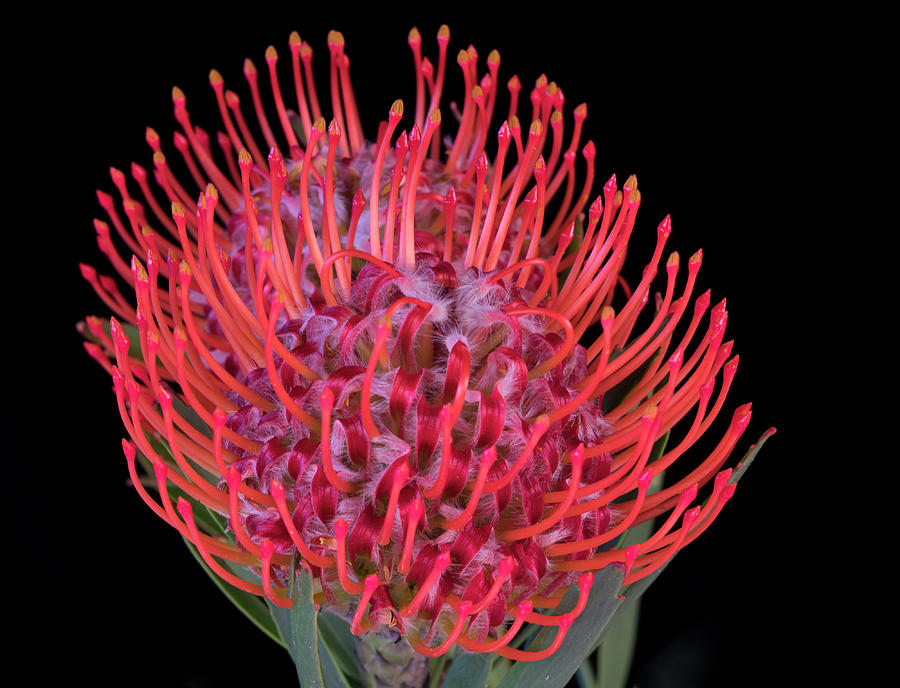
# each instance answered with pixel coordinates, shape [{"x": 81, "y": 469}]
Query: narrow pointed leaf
[
  {"x": 335, "y": 633},
  {"x": 585, "y": 675},
  {"x": 305, "y": 631},
  {"x": 617, "y": 648},
  {"x": 469, "y": 670},
  {"x": 744, "y": 463},
  {"x": 556, "y": 670},
  {"x": 331, "y": 674},
  {"x": 299, "y": 630}
]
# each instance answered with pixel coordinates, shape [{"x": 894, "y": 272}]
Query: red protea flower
[{"x": 365, "y": 357}]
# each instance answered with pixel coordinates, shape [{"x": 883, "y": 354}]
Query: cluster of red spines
[{"x": 447, "y": 342}]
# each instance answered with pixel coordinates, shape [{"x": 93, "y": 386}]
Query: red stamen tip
[
  {"x": 334, "y": 131},
  {"x": 506, "y": 566},
  {"x": 181, "y": 143},
  {"x": 335, "y": 39},
  {"x": 689, "y": 495},
  {"x": 152, "y": 138},
  {"x": 88, "y": 272},
  {"x": 722, "y": 479},
  {"x": 267, "y": 548},
  {"x": 665, "y": 227},
  {"x": 691, "y": 515},
  {"x": 371, "y": 583}
]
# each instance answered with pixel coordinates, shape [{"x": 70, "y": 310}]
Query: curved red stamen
[
  {"x": 462, "y": 614},
  {"x": 522, "y": 611},
  {"x": 504, "y": 570},
  {"x": 488, "y": 457},
  {"x": 446, "y": 447},
  {"x": 327, "y": 402},
  {"x": 528, "y": 656},
  {"x": 585, "y": 581},
  {"x": 234, "y": 479},
  {"x": 537, "y": 431},
  {"x": 266, "y": 549},
  {"x": 399, "y": 477},
  {"x": 416, "y": 511},
  {"x": 365, "y": 403},
  {"x": 277, "y": 492},
  {"x": 275, "y": 377},
  {"x": 357, "y": 627},
  {"x": 440, "y": 565},
  {"x": 340, "y": 532}
]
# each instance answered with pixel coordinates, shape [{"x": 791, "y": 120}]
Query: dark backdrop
[{"x": 713, "y": 113}]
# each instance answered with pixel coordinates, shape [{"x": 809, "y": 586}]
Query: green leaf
[
  {"x": 498, "y": 671},
  {"x": 192, "y": 417},
  {"x": 300, "y": 630},
  {"x": 585, "y": 675},
  {"x": 332, "y": 675},
  {"x": 305, "y": 631},
  {"x": 469, "y": 670},
  {"x": 436, "y": 668},
  {"x": 617, "y": 648},
  {"x": 250, "y": 605},
  {"x": 341, "y": 643},
  {"x": 556, "y": 670},
  {"x": 744, "y": 463}
]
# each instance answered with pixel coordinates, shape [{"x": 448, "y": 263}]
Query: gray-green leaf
[
  {"x": 556, "y": 670},
  {"x": 469, "y": 670}
]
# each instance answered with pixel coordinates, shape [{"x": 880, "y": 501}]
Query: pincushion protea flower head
[{"x": 389, "y": 360}]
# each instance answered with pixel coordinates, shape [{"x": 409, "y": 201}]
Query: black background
[{"x": 719, "y": 116}]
